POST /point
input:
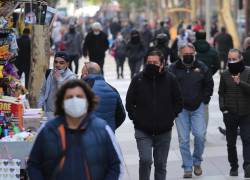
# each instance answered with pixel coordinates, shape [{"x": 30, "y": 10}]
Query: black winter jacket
[
  {"x": 135, "y": 52},
  {"x": 232, "y": 97},
  {"x": 246, "y": 56},
  {"x": 95, "y": 46},
  {"x": 153, "y": 102},
  {"x": 207, "y": 55},
  {"x": 196, "y": 83}
]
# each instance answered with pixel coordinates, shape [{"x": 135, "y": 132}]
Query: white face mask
[
  {"x": 75, "y": 107},
  {"x": 96, "y": 33}
]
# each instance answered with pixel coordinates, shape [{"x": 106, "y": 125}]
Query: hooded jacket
[
  {"x": 49, "y": 88},
  {"x": 153, "y": 102},
  {"x": 207, "y": 55}
]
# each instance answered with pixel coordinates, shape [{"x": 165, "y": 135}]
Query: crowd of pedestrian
[{"x": 171, "y": 83}]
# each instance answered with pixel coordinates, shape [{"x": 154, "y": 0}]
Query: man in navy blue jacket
[{"x": 110, "y": 107}]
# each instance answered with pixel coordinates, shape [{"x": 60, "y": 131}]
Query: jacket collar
[{"x": 94, "y": 77}]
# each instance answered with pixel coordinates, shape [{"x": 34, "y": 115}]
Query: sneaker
[
  {"x": 222, "y": 131},
  {"x": 233, "y": 172},
  {"x": 247, "y": 171},
  {"x": 197, "y": 170},
  {"x": 188, "y": 174}
]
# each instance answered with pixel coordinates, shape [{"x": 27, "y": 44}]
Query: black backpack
[{"x": 47, "y": 73}]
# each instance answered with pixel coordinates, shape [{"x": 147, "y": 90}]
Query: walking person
[
  {"x": 53, "y": 80},
  {"x": 135, "y": 52},
  {"x": 223, "y": 42},
  {"x": 119, "y": 53},
  {"x": 246, "y": 53},
  {"x": 153, "y": 101},
  {"x": 209, "y": 56},
  {"x": 234, "y": 100},
  {"x": 76, "y": 144},
  {"x": 110, "y": 107},
  {"x": 23, "y": 61},
  {"x": 96, "y": 44},
  {"x": 72, "y": 43},
  {"x": 196, "y": 87}
]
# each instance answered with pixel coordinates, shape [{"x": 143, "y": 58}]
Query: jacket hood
[{"x": 201, "y": 46}]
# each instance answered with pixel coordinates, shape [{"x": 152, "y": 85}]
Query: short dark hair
[
  {"x": 26, "y": 31},
  {"x": 155, "y": 52},
  {"x": 200, "y": 35},
  {"x": 63, "y": 55},
  {"x": 91, "y": 97}
]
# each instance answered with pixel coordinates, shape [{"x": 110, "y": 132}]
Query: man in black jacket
[
  {"x": 153, "y": 102},
  {"x": 96, "y": 44},
  {"x": 196, "y": 87},
  {"x": 234, "y": 99},
  {"x": 23, "y": 60}
]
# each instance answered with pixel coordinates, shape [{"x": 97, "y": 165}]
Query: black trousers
[
  {"x": 75, "y": 59},
  {"x": 134, "y": 66},
  {"x": 232, "y": 122}
]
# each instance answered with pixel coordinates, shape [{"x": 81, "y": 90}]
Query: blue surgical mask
[{"x": 62, "y": 70}]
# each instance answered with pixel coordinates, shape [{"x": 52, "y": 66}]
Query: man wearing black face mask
[
  {"x": 196, "y": 87},
  {"x": 135, "y": 51},
  {"x": 234, "y": 100},
  {"x": 153, "y": 102}
]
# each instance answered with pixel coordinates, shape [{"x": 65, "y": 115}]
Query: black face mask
[
  {"x": 135, "y": 39},
  {"x": 152, "y": 70},
  {"x": 236, "y": 68},
  {"x": 188, "y": 59},
  {"x": 71, "y": 30}
]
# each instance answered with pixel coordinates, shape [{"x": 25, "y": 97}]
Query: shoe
[
  {"x": 247, "y": 171},
  {"x": 197, "y": 170},
  {"x": 233, "y": 172},
  {"x": 222, "y": 131},
  {"x": 188, "y": 174}
]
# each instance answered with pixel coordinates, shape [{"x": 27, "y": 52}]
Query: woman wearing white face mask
[{"x": 77, "y": 144}]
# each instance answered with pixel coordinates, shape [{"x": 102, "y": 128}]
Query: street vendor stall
[{"x": 18, "y": 123}]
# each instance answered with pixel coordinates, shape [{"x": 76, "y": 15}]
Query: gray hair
[
  {"x": 186, "y": 45},
  {"x": 235, "y": 50},
  {"x": 92, "y": 70},
  {"x": 246, "y": 43},
  {"x": 96, "y": 25}
]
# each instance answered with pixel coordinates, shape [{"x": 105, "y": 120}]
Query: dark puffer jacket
[
  {"x": 207, "y": 55},
  {"x": 100, "y": 151},
  {"x": 153, "y": 102},
  {"x": 196, "y": 83},
  {"x": 110, "y": 107},
  {"x": 232, "y": 97}
]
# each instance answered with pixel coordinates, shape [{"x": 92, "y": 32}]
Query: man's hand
[
  {"x": 236, "y": 78},
  {"x": 56, "y": 74}
]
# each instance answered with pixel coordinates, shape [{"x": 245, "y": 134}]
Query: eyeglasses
[{"x": 59, "y": 62}]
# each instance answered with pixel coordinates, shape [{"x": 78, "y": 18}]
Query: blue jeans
[
  {"x": 191, "y": 121},
  {"x": 160, "y": 146}
]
